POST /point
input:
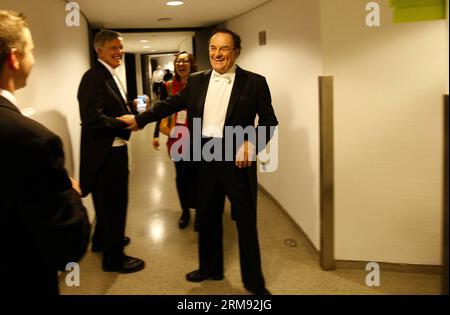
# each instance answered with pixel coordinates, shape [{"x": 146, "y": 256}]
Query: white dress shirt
[
  {"x": 118, "y": 142},
  {"x": 158, "y": 76},
  {"x": 9, "y": 96},
  {"x": 216, "y": 103}
]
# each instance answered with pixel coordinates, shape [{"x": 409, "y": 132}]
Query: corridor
[{"x": 170, "y": 253}]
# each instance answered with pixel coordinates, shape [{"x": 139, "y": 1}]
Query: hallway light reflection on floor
[
  {"x": 160, "y": 169},
  {"x": 155, "y": 194},
  {"x": 157, "y": 230}
]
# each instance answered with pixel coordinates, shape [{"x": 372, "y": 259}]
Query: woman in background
[{"x": 184, "y": 65}]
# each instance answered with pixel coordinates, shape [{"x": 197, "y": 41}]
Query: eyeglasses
[{"x": 182, "y": 61}]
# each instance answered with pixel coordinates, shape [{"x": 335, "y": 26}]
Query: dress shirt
[
  {"x": 118, "y": 142},
  {"x": 216, "y": 103}
]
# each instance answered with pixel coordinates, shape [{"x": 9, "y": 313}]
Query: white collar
[
  {"x": 9, "y": 96},
  {"x": 110, "y": 69},
  {"x": 227, "y": 76},
  {"x": 231, "y": 71}
]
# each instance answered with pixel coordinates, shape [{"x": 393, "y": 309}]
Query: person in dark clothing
[{"x": 43, "y": 223}]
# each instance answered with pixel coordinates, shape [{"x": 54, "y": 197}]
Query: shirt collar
[
  {"x": 110, "y": 69},
  {"x": 231, "y": 71},
  {"x": 9, "y": 96}
]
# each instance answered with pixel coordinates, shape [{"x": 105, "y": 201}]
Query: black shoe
[
  {"x": 97, "y": 248},
  {"x": 196, "y": 223},
  {"x": 126, "y": 265},
  {"x": 197, "y": 276},
  {"x": 262, "y": 291},
  {"x": 184, "y": 220}
]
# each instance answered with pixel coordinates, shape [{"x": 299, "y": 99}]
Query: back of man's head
[
  {"x": 104, "y": 36},
  {"x": 12, "y": 25}
]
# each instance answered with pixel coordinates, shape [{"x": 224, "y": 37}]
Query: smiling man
[
  {"x": 104, "y": 155},
  {"x": 222, "y": 98}
]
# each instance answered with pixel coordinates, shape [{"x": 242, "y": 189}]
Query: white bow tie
[{"x": 226, "y": 77}]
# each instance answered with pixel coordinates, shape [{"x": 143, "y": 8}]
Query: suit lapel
[
  {"x": 203, "y": 91},
  {"x": 112, "y": 84},
  {"x": 239, "y": 83}
]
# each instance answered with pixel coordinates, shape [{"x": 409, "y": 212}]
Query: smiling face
[
  {"x": 111, "y": 52},
  {"x": 183, "y": 66},
  {"x": 222, "y": 53}
]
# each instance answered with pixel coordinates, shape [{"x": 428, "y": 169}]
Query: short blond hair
[{"x": 12, "y": 25}]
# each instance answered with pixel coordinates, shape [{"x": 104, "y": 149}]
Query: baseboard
[
  {"x": 391, "y": 267},
  {"x": 359, "y": 265}
]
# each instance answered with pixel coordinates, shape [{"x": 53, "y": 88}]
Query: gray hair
[{"x": 105, "y": 36}]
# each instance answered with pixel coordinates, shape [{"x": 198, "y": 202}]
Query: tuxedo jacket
[
  {"x": 43, "y": 223},
  {"x": 100, "y": 103},
  {"x": 250, "y": 97}
]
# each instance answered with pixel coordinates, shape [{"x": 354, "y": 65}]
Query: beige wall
[
  {"x": 291, "y": 62},
  {"x": 388, "y": 87},
  {"x": 62, "y": 56}
]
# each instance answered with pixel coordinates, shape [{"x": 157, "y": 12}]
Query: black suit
[
  {"x": 43, "y": 223},
  {"x": 104, "y": 169},
  {"x": 250, "y": 96}
]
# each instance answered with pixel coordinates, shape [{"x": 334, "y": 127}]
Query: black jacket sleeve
[
  {"x": 163, "y": 108},
  {"x": 56, "y": 219},
  {"x": 267, "y": 121}
]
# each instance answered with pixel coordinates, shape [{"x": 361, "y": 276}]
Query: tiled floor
[{"x": 170, "y": 253}]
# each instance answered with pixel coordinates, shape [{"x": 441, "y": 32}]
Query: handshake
[
  {"x": 130, "y": 120},
  {"x": 140, "y": 104}
]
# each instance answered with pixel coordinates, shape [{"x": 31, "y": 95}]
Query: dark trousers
[
  {"x": 217, "y": 180},
  {"x": 110, "y": 195},
  {"x": 181, "y": 186}
]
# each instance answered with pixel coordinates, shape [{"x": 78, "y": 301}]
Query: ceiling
[
  {"x": 145, "y": 13},
  {"x": 157, "y": 42}
]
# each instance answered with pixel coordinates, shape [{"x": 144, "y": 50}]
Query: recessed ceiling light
[
  {"x": 174, "y": 3},
  {"x": 144, "y": 41},
  {"x": 165, "y": 19},
  {"x": 146, "y": 46},
  {"x": 153, "y": 50}
]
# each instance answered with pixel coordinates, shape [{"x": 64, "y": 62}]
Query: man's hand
[
  {"x": 76, "y": 186},
  {"x": 155, "y": 143},
  {"x": 245, "y": 155},
  {"x": 130, "y": 120}
]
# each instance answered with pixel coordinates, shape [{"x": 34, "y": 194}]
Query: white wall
[
  {"x": 389, "y": 83},
  {"x": 187, "y": 45},
  {"x": 62, "y": 56},
  {"x": 291, "y": 62}
]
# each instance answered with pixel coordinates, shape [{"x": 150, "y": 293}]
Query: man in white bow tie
[{"x": 226, "y": 96}]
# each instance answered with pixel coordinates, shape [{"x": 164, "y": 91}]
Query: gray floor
[{"x": 170, "y": 253}]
